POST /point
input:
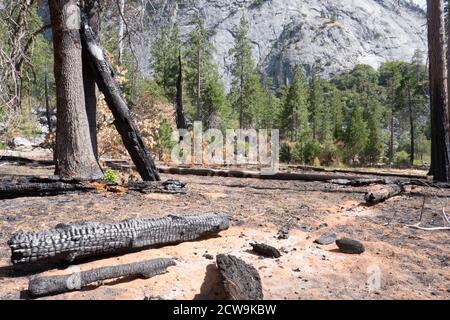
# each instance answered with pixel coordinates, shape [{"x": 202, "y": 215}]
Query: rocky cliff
[{"x": 335, "y": 34}]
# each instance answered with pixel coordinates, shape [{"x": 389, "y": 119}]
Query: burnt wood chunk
[
  {"x": 241, "y": 281},
  {"x": 105, "y": 79},
  {"x": 265, "y": 250},
  {"x": 44, "y": 286},
  {"x": 350, "y": 246},
  {"x": 67, "y": 243},
  {"x": 384, "y": 194}
]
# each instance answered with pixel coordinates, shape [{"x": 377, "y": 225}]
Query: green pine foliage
[{"x": 246, "y": 95}]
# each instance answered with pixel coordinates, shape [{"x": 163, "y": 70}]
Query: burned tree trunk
[
  {"x": 74, "y": 153},
  {"x": 44, "y": 286},
  {"x": 67, "y": 243},
  {"x": 123, "y": 120},
  {"x": 241, "y": 281},
  {"x": 384, "y": 194},
  {"x": 182, "y": 122}
]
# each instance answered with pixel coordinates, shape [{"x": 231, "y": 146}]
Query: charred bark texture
[
  {"x": 384, "y": 194},
  {"x": 67, "y": 243},
  {"x": 358, "y": 182},
  {"x": 182, "y": 122},
  {"x": 11, "y": 188},
  {"x": 241, "y": 281},
  {"x": 123, "y": 120},
  {"x": 44, "y": 286},
  {"x": 265, "y": 250}
]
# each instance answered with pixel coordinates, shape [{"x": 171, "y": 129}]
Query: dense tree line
[{"x": 364, "y": 116}]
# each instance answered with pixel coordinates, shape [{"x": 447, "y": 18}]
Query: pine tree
[
  {"x": 199, "y": 61},
  {"x": 356, "y": 134},
  {"x": 390, "y": 77},
  {"x": 337, "y": 107},
  {"x": 294, "y": 113},
  {"x": 216, "y": 109},
  {"x": 246, "y": 93},
  {"x": 267, "y": 118},
  {"x": 315, "y": 103},
  {"x": 204, "y": 85},
  {"x": 165, "y": 53}
]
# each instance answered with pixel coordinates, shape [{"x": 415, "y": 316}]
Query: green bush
[
  {"x": 311, "y": 151},
  {"x": 331, "y": 154},
  {"x": 297, "y": 153},
  {"x": 401, "y": 159},
  {"x": 110, "y": 176},
  {"x": 285, "y": 153},
  {"x": 165, "y": 142}
]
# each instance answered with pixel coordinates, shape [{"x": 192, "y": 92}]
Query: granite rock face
[{"x": 333, "y": 34}]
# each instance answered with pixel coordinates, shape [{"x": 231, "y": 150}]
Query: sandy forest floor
[{"x": 414, "y": 264}]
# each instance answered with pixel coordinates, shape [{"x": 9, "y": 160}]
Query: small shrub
[
  {"x": 330, "y": 154},
  {"x": 285, "y": 153},
  {"x": 165, "y": 142},
  {"x": 401, "y": 159},
  {"x": 297, "y": 153},
  {"x": 110, "y": 176},
  {"x": 311, "y": 151}
]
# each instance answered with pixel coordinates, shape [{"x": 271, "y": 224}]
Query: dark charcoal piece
[
  {"x": 241, "y": 280},
  {"x": 43, "y": 286},
  {"x": 384, "y": 194},
  {"x": 67, "y": 243},
  {"x": 326, "y": 239},
  {"x": 265, "y": 250},
  {"x": 350, "y": 246}
]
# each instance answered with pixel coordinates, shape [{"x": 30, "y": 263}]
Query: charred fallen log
[
  {"x": 384, "y": 194},
  {"x": 241, "y": 281},
  {"x": 67, "y": 243},
  {"x": 287, "y": 176},
  {"x": 16, "y": 187},
  {"x": 358, "y": 182},
  {"x": 123, "y": 120},
  {"x": 44, "y": 286}
]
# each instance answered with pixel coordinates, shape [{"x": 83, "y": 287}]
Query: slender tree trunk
[
  {"x": 91, "y": 9},
  {"x": 440, "y": 153},
  {"x": 75, "y": 155},
  {"x": 391, "y": 140},
  {"x": 47, "y": 106},
  {"x": 199, "y": 84},
  {"x": 412, "y": 129},
  {"x": 182, "y": 122},
  {"x": 241, "y": 98},
  {"x": 121, "y": 32}
]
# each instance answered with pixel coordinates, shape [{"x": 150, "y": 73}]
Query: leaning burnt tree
[
  {"x": 104, "y": 76},
  {"x": 440, "y": 144}
]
